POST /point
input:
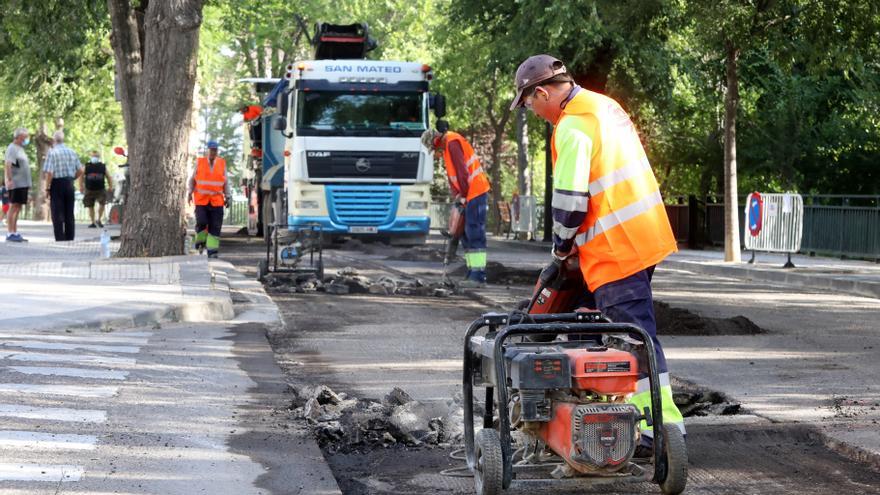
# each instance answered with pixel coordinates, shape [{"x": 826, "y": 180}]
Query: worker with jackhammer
[
  {"x": 469, "y": 187},
  {"x": 209, "y": 190},
  {"x": 606, "y": 207}
]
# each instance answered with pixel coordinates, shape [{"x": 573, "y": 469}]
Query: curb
[{"x": 861, "y": 288}]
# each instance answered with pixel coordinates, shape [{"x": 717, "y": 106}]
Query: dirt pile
[
  {"x": 679, "y": 321},
  {"x": 343, "y": 424}
]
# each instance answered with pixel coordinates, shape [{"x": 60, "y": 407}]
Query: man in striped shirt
[{"x": 61, "y": 168}]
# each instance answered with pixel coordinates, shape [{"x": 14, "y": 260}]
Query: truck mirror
[
  {"x": 280, "y": 124},
  {"x": 439, "y": 106},
  {"x": 442, "y": 126}
]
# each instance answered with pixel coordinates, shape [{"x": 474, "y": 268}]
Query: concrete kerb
[{"x": 827, "y": 282}]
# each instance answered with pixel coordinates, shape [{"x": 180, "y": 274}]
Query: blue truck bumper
[{"x": 405, "y": 225}]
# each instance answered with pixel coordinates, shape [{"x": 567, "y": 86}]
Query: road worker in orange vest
[
  {"x": 209, "y": 190},
  {"x": 606, "y": 206},
  {"x": 469, "y": 187}
]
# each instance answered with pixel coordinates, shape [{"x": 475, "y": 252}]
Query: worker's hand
[
  {"x": 551, "y": 272},
  {"x": 228, "y": 201},
  {"x": 460, "y": 200},
  {"x": 189, "y": 199}
]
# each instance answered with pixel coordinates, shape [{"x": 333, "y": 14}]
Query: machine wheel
[
  {"x": 489, "y": 472},
  {"x": 262, "y": 269},
  {"x": 676, "y": 461}
]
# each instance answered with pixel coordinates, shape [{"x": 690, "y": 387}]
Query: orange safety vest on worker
[
  {"x": 478, "y": 183},
  {"x": 626, "y": 228},
  {"x": 210, "y": 183}
]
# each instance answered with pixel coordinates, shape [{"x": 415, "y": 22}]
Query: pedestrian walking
[
  {"x": 61, "y": 168},
  {"x": 18, "y": 181},
  {"x": 606, "y": 205},
  {"x": 95, "y": 185},
  {"x": 469, "y": 187},
  {"x": 209, "y": 189}
]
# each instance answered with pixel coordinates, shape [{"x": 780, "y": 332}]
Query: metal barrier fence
[
  {"x": 236, "y": 214},
  {"x": 774, "y": 222}
]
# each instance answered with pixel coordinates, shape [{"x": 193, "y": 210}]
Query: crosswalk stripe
[
  {"x": 61, "y": 346},
  {"x": 53, "y": 413},
  {"x": 40, "y": 440},
  {"x": 73, "y": 372},
  {"x": 40, "y": 472},
  {"x": 138, "y": 338},
  {"x": 69, "y": 390},
  {"x": 66, "y": 358}
]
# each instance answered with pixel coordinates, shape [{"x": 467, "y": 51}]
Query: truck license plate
[{"x": 363, "y": 230}]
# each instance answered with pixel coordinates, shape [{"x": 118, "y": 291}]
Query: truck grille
[
  {"x": 359, "y": 205},
  {"x": 362, "y": 165}
]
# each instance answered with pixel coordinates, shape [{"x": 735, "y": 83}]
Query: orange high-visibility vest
[
  {"x": 210, "y": 184},
  {"x": 478, "y": 183},
  {"x": 626, "y": 228}
]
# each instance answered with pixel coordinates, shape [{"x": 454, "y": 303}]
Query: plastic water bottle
[{"x": 105, "y": 244}]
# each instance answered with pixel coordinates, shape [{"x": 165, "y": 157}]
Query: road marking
[
  {"x": 70, "y": 390},
  {"x": 74, "y": 372},
  {"x": 61, "y": 346},
  {"x": 39, "y": 440},
  {"x": 53, "y": 413},
  {"x": 137, "y": 338},
  {"x": 67, "y": 358},
  {"x": 40, "y": 472}
]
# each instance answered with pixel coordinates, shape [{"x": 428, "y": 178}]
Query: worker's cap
[
  {"x": 534, "y": 70},
  {"x": 213, "y": 145},
  {"x": 431, "y": 139}
]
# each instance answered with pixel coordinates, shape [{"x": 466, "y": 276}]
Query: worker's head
[
  {"x": 542, "y": 85},
  {"x": 21, "y": 136},
  {"x": 212, "y": 149},
  {"x": 434, "y": 141}
]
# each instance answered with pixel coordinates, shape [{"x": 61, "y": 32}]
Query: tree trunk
[
  {"x": 44, "y": 143},
  {"x": 731, "y": 206},
  {"x": 127, "y": 49},
  {"x": 154, "y": 224},
  {"x": 523, "y": 181}
]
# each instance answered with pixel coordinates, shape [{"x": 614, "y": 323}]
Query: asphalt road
[{"x": 364, "y": 345}]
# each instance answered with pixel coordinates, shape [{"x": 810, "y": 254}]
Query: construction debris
[{"x": 341, "y": 424}]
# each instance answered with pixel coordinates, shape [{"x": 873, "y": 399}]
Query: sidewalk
[
  {"x": 68, "y": 285},
  {"x": 821, "y": 273}
]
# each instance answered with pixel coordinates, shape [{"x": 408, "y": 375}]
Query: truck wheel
[
  {"x": 268, "y": 212},
  {"x": 489, "y": 472},
  {"x": 676, "y": 461}
]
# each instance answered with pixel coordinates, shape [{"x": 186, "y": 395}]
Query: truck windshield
[{"x": 332, "y": 113}]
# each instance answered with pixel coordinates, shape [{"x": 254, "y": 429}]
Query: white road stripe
[
  {"x": 75, "y": 372},
  {"x": 53, "y": 413},
  {"x": 40, "y": 472},
  {"x": 66, "y": 358},
  {"x": 61, "y": 346},
  {"x": 136, "y": 338},
  {"x": 69, "y": 390},
  {"x": 37, "y": 440}
]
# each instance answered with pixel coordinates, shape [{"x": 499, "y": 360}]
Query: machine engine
[{"x": 574, "y": 400}]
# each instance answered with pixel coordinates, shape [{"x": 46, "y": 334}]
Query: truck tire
[{"x": 268, "y": 214}]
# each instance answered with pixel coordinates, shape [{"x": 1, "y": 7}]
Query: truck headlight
[
  {"x": 305, "y": 205},
  {"x": 417, "y": 205}
]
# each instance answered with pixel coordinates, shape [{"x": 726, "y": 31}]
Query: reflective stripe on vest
[{"x": 616, "y": 218}]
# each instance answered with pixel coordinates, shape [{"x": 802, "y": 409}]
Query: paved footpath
[{"x": 141, "y": 376}]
